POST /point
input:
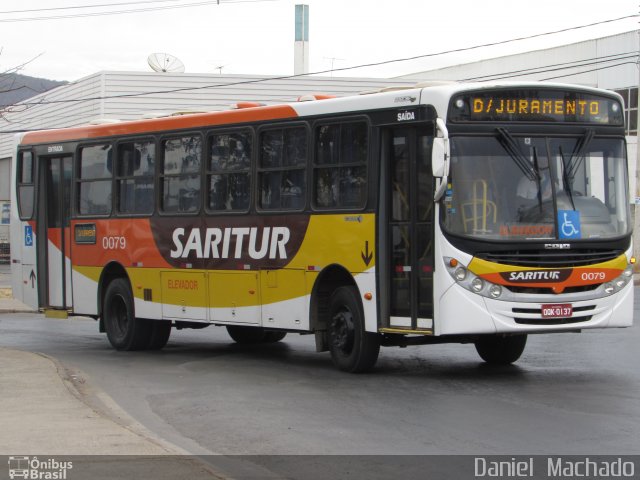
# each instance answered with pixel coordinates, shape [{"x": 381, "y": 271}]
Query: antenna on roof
[{"x": 164, "y": 62}]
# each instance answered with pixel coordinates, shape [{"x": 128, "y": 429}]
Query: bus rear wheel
[
  {"x": 124, "y": 330},
  {"x": 160, "y": 332},
  {"x": 274, "y": 337},
  {"x": 246, "y": 335},
  {"x": 352, "y": 348},
  {"x": 497, "y": 350}
]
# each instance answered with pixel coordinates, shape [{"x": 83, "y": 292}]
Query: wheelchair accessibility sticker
[
  {"x": 28, "y": 236},
  {"x": 569, "y": 224}
]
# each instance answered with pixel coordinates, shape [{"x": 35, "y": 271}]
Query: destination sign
[{"x": 536, "y": 105}]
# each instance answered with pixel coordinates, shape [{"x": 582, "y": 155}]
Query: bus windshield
[{"x": 508, "y": 187}]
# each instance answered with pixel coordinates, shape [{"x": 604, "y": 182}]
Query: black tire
[
  {"x": 246, "y": 335},
  {"x": 160, "y": 332},
  {"x": 497, "y": 350},
  {"x": 124, "y": 330},
  {"x": 273, "y": 337},
  {"x": 352, "y": 348}
]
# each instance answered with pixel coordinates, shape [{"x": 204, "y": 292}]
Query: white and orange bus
[{"x": 469, "y": 213}]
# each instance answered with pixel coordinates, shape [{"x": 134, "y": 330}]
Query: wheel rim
[
  {"x": 343, "y": 331},
  {"x": 120, "y": 314}
]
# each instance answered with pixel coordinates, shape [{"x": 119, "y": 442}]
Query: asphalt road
[{"x": 568, "y": 394}]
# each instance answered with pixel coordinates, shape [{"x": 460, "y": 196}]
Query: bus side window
[
  {"x": 228, "y": 172},
  {"x": 282, "y": 169},
  {"x": 340, "y": 165},
  {"x": 94, "y": 180},
  {"x": 26, "y": 187},
  {"x": 134, "y": 177},
  {"x": 180, "y": 174}
]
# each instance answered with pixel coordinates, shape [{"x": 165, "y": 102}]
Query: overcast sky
[{"x": 257, "y": 36}]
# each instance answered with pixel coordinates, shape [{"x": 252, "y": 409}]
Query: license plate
[{"x": 561, "y": 310}]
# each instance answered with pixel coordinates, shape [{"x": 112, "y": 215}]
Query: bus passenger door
[
  {"x": 406, "y": 223},
  {"x": 54, "y": 234}
]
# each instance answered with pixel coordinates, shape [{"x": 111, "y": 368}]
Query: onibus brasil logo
[{"x": 33, "y": 468}]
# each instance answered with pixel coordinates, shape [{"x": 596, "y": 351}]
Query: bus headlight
[
  {"x": 460, "y": 274},
  {"x": 621, "y": 281},
  {"x": 470, "y": 281},
  {"x": 495, "y": 291}
]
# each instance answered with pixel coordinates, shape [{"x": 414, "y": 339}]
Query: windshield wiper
[
  {"x": 566, "y": 181},
  {"x": 538, "y": 179},
  {"x": 578, "y": 154},
  {"x": 513, "y": 149}
]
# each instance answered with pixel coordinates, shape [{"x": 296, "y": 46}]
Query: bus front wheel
[
  {"x": 124, "y": 331},
  {"x": 352, "y": 348},
  {"x": 497, "y": 350}
]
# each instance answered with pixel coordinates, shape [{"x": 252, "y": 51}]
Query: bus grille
[
  {"x": 549, "y": 290},
  {"x": 550, "y": 259},
  {"x": 551, "y": 321},
  {"x": 538, "y": 320}
]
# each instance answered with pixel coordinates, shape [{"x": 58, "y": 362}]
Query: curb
[
  {"x": 112, "y": 420},
  {"x": 79, "y": 385}
]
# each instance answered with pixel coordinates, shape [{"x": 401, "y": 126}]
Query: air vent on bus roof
[{"x": 238, "y": 105}]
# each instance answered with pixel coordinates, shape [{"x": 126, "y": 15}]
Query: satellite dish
[{"x": 164, "y": 62}]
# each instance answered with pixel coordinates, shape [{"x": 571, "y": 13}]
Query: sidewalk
[
  {"x": 42, "y": 411},
  {"x": 47, "y": 411}
]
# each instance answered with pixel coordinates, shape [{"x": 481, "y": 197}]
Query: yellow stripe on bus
[{"x": 347, "y": 240}]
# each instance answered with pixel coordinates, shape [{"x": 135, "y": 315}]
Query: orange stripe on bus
[
  {"x": 138, "y": 247},
  {"x": 162, "y": 124}
]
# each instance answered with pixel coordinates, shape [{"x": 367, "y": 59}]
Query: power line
[
  {"x": 75, "y": 7},
  {"x": 553, "y": 68},
  {"x": 125, "y": 12},
  {"x": 589, "y": 71},
  {"x": 529, "y": 71},
  {"x": 286, "y": 77}
]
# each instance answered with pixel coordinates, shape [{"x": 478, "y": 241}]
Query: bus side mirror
[{"x": 440, "y": 155}]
